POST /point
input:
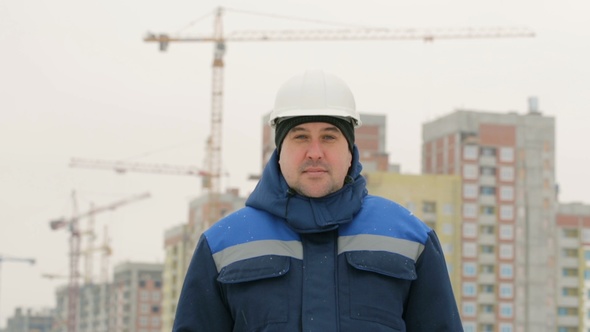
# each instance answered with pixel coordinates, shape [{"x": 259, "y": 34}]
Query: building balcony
[
  {"x": 486, "y": 258},
  {"x": 487, "y": 200},
  {"x": 485, "y": 219},
  {"x": 487, "y": 239},
  {"x": 570, "y": 321},
  {"x": 487, "y": 180},
  {"x": 567, "y": 301},
  {"x": 487, "y": 161},
  {"x": 568, "y": 242},
  {"x": 486, "y": 318},
  {"x": 486, "y": 298},
  {"x": 486, "y": 278}
]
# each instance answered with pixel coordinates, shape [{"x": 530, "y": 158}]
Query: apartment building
[
  {"x": 136, "y": 298},
  {"x": 506, "y": 163},
  {"x": 436, "y": 200},
  {"x": 573, "y": 267}
]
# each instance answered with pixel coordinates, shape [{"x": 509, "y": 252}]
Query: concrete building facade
[{"x": 506, "y": 162}]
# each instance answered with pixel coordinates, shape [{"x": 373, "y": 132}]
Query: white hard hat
[{"x": 314, "y": 92}]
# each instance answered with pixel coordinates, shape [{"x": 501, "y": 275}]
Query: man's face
[{"x": 315, "y": 159}]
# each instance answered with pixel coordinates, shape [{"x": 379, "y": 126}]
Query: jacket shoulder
[
  {"x": 247, "y": 225},
  {"x": 381, "y": 216}
]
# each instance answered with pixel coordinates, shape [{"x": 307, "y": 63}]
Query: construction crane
[
  {"x": 14, "y": 259},
  {"x": 123, "y": 167},
  {"x": 75, "y": 234},
  {"x": 214, "y": 146}
]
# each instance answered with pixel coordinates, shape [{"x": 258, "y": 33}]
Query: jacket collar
[{"x": 306, "y": 214}]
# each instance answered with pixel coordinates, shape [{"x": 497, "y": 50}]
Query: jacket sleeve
[
  {"x": 201, "y": 307},
  {"x": 431, "y": 305}
]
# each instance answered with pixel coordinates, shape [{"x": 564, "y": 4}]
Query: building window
[
  {"x": 486, "y": 269},
  {"x": 469, "y": 289},
  {"x": 487, "y": 191},
  {"x": 468, "y": 309},
  {"x": 569, "y": 272},
  {"x": 569, "y": 252},
  {"x": 488, "y": 151},
  {"x": 506, "y": 232},
  {"x": 506, "y": 291},
  {"x": 506, "y": 251},
  {"x": 506, "y": 154},
  {"x": 487, "y": 170},
  {"x": 507, "y": 212},
  {"x": 469, "y": 249},
  {"x": 506, "y": 310},
  {"x": 448, "y": 209},
  {"x": 487, "y": 249},
  {"x": 487, "y": 308},
  {"x": 506, "y": 327},
  {"x": 469, "y": 229},
  {"x": 469, "y": 210},
  {"x": 469, "y": 269},
  {"x": 470, "y": 152},
  {"x": 569, "y": 291},
  {"x": 469, "y": 327},
  {"x": 486, "y": 229},
  {"x": 448, "y": 229},
  {"x": 506, "y": 193},
  {"x": 506, "y": 271},
  {"x": 571, "y": 233},
  {"x": 470, "y": 172},
  {"x": 429, "y": 207},
  {"x": 486, "y": 288},
  {"x": 487, "y": 210},
  {"x": 506, "y": 174},
  {"x": 469, "y": 190}
]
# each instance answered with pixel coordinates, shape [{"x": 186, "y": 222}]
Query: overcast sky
[{"x": 77, "y": 80}]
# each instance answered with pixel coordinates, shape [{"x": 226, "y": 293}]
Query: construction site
[{"x": 137, "y": 292}]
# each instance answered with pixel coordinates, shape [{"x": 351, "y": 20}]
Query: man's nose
[{"x": 314, "y": 150}]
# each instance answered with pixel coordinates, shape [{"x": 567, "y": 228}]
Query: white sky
[{"x": 77, "y": 80}]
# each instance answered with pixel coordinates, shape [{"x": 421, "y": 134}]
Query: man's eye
[{"x": 329, "y": 137}]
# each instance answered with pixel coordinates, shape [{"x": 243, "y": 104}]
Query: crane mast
[{"x": 72, "y": 225}]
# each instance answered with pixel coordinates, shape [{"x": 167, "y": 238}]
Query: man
[{"x": 312, "y": 251}]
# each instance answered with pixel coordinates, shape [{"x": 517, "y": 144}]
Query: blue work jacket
[{"x": 349, "y": 262}]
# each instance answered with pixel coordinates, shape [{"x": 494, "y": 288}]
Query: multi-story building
[
  {"x": 30, "y": 321},
  {"x": 436, "y": 200},
  {"x": 370, "y": 137},
  {"x": 180, "y": 242},
  {"x": 506, "y": 162},
  {"x": 573, "y": 267},
  {"x": 136, "y": 299},
  {"x": 178, "y": 248}
]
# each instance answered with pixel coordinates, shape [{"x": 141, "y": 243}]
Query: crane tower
[
  {"x": 74, "y": 255},
  {"x": 214, "y": 142}
]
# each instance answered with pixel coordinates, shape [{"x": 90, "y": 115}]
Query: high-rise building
[
  {"x": 137, "y": 297},
  {"x": 573, "y": 267},
  {"x": 506, "y": 162}
]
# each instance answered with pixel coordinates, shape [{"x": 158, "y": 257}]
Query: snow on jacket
[{"x": 346, "y": 262}]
